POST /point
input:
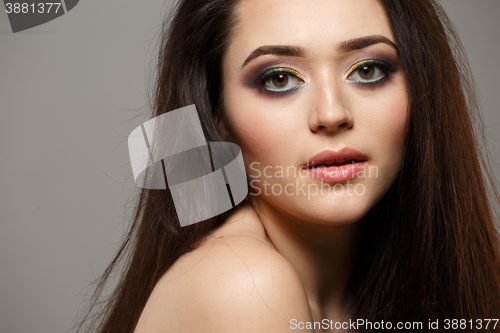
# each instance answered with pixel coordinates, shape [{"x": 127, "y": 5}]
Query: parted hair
[{"x": 429, "y": 248}]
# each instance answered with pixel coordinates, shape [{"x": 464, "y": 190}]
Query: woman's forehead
[{"x": 312, "y": 23}]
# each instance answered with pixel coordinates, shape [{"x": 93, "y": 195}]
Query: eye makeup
[
  {"x": 277, "y": 80},
  {"x": 380, "y": 70}
]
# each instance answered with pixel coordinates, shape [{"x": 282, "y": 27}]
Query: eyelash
[{"x": 387, "y": 68}]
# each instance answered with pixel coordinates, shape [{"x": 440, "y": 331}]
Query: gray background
[{"x": 69, "y": 90}]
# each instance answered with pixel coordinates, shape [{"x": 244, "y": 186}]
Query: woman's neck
[{"x": 322, "y": 255}]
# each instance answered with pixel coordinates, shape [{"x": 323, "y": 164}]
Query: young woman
[{"x": 367, "y": 199}]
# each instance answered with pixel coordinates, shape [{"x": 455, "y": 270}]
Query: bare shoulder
[{"x": 233, "y": 282}]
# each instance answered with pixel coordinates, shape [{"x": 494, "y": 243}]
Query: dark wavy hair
[{"x": 430, "y": 250}]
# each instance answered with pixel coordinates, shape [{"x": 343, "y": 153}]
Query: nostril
[{"x": 346, "y": 124}]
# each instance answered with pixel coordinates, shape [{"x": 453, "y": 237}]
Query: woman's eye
[
  {"x": 283, "y": 82},
  {"x": 368, "y": 72},
  {"x": 279, "y": 80}
]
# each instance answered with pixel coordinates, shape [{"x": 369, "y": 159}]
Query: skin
[{"x": 291, "y": 257}]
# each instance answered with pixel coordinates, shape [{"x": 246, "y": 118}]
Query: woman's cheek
[
  {"x": 390, "y": 130},
  {"x": 397, "y": 120},
  {"x": 259, "y": 135}
]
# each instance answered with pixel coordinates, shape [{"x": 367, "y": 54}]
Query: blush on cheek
[
  {"x": 251, "y": 139},
  {"x": 395, "y": 112},
  {"x": 395, "y": 135},
  {"x": 258, "y": 133}
]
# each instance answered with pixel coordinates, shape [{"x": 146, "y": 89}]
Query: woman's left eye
[
  {"x": 280, "y": 80},
  {"x": 368, "y": 72}
]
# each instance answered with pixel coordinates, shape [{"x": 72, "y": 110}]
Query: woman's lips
[{"x": 336, "y": 166}]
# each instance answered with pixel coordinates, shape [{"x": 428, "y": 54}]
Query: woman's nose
[{"x": 329, "y": 113}]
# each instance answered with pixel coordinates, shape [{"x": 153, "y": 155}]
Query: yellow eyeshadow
[
  {"x": 358, "y": 64},
  {"x": 290, "y": 70}
]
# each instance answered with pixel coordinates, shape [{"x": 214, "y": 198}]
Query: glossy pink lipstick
[{"x": 336, "y": 166}]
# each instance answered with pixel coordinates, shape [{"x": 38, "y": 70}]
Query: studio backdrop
[{"x": 72, "y": 88}]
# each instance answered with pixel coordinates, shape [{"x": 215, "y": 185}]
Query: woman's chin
[{"x": 326, "y": 209}]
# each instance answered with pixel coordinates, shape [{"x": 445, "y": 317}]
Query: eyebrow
[
  {"x": 360, "y": 43},
  {"x": 284, "y": 50},
  {"x": 297, "y": 51}
]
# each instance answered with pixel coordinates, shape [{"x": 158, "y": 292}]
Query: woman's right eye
[{"x": 280, "y": 80}]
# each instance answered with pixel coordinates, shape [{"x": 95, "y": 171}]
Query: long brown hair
[{"x": 430, "y": 249}]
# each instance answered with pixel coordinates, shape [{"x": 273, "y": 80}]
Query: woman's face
[{"x": 303, "y": 78}]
